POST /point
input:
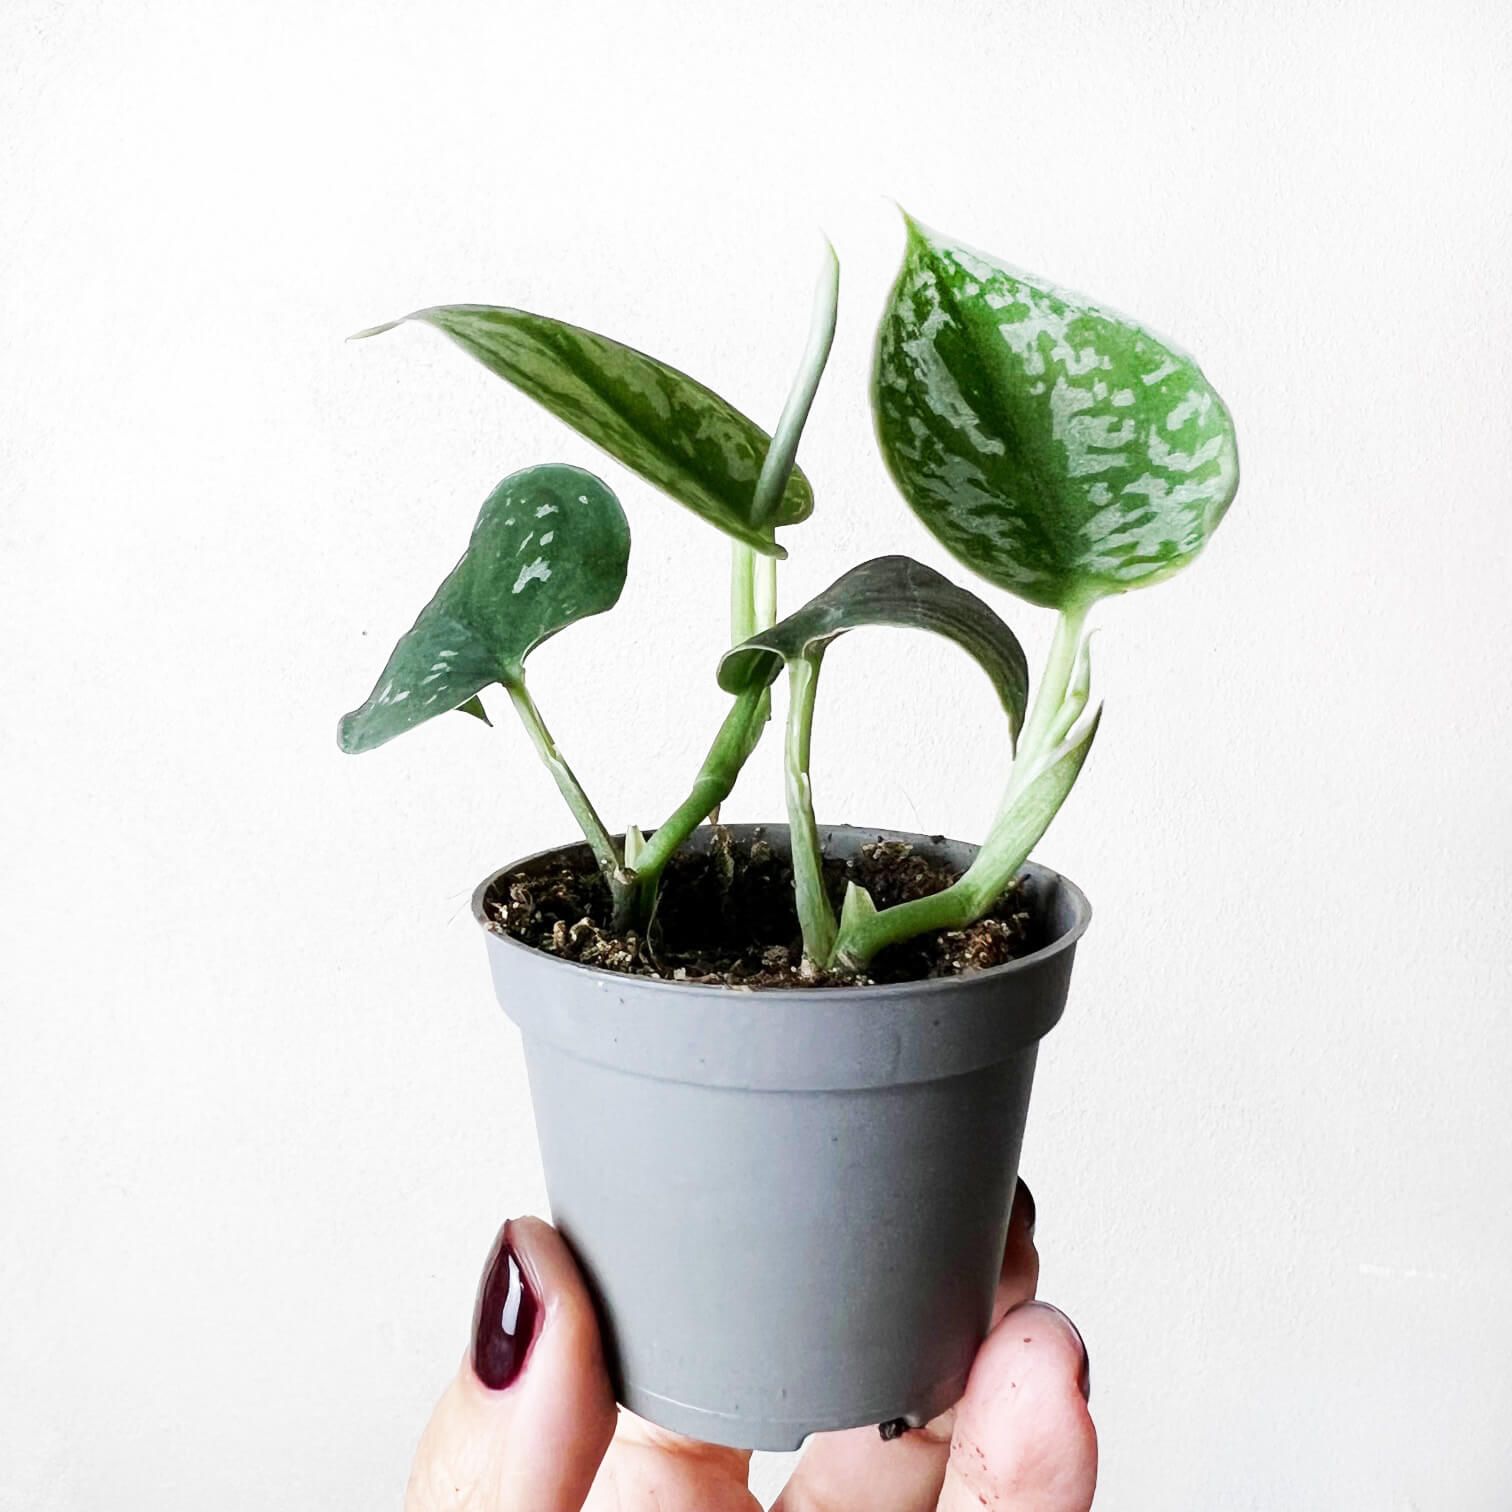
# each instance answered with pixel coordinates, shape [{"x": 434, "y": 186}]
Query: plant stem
[
  {"x": 732, "y": 746},
  {"x": 764, "y": 569},
  {"x": 814, "y": 911},
  {"x": 753, "y": 607},
  {"x": 605, "y": 852},
  {"x": 742, "y": 592},
  {"x": 1059, "y": 666},
  {"x": 1034, "y": 792},
  {"x": 753, "y": 600}
]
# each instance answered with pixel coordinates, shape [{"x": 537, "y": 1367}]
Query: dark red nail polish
[
  {"x": 1028, "y": 1204},
  {"x": 504, "y": 1320}
]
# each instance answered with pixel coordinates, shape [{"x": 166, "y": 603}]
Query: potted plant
[{"x": 768, "y": 1060}]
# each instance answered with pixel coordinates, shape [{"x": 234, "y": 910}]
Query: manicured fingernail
[
  {"x": 504, "y": 1320},
  {"x": 1028, "y": 1204},
  {"x": 1084, "y": 1379}
]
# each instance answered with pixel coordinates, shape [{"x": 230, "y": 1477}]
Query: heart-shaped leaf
[
  {"x": 1060, "y": 450},
  {"x": 659, "y": 422},
  {"x": 551, "y": 546},
  {"x": 890, "y": 590}
]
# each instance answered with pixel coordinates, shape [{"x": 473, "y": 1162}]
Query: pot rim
[{"x": 836, "y": 995}]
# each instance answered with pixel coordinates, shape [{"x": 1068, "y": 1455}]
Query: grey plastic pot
[{"x": 790, "y": 1206}]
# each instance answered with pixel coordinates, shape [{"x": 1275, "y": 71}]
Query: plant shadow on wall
[{"x": 837, "y": 1164}]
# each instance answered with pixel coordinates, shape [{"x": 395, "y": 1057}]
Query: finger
[
  {"x": 858, "y": 1468},
  {"x": 529, "y": 1415},
  {"x": 652, "y": 1469},
  {"x": 1023, "y": 1439}
]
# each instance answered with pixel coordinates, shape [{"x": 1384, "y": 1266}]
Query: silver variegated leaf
[
  {"x": 659, "y": 422},
  {"x": 1060, "y": 450}
]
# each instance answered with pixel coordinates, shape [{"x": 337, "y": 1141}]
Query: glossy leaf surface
[
  {"x": 1056, "y": 448},
  {"x": 551, "y": 546},
  {"x": 656, "y": 420},
  {"x": 890, "y": 590}
]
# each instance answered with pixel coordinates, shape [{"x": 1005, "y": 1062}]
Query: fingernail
[
  {"x": 504, "y": 1319},
  {"x": 1084, "y": 1379},
  {"x": 1028, "y": 1203}
]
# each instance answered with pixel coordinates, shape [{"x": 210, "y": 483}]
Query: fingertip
[
  {"x": 531, "y": 1411},
  {"x": 1032, "y": 1373},
  {"x": 1071, "y": 1343},
  {"x": 506, "y": 1314},
  {"x": 1020, "y": 1273},
  {"x": 1023, "y": 1424},
  {"x": 531, "y": 1286}
]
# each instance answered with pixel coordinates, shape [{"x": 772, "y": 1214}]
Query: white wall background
[{"x": 258, "y": 1115}]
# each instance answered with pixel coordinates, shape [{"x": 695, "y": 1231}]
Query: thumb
[
  {"x": 530, "y": 1413},
  {"x": 1023, "y": 1439}
]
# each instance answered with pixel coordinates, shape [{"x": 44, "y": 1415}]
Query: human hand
[{"x": 529, "y": 1424}]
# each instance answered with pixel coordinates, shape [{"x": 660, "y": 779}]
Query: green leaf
[
  {"x": 777, "y": 467},
  {"x": 1060, "y": 450},
  {"x": 890, "y": 590},
  {"x": 659, "y": 422},
  {"x": 551, "y": 546},
  {"x": 635, "y": 845},
  {"x": 474, "y": 706},
  {"x": 856, "y": 907}
]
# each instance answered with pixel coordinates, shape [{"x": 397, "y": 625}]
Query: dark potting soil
[{"x": 727, "y": 917}]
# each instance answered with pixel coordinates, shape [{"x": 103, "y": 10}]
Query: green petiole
[
  {"x": 731, "y": 749},
  {"x": 815, "y": 915},
  {"x": 605, "y": 852},
  {"x": 1045, "y": 767}
]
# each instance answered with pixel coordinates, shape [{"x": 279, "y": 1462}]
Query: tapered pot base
[{"x": 789, "y": 1206}]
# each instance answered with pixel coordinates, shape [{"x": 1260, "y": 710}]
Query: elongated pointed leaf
[
  {"x": 1058, "y": 449},
  {"x": 658, "y": 421},
  {"x": 890, "y": 590},
  {"x": 551, "y": 546},
  {"x": 777, "y": 466}
]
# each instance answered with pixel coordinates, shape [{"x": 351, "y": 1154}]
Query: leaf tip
[
  {"x": 474, "y": 706},
  {"x": 916, "y": 229},
  {"x": 857, "y": 906},
  {"x": 377, "y": 330}
]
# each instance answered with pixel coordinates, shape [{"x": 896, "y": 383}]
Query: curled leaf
[
  {"x": 551, "y": 546},
  {"x": 890, "y": 590}
]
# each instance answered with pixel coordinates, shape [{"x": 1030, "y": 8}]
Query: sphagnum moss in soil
[{"x": 726, "y": 917}]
